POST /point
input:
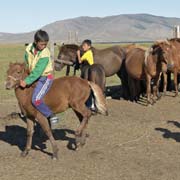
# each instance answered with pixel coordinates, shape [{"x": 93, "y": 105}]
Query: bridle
[{"x": 13, "y": 78}]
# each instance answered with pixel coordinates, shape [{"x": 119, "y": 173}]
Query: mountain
[{"x": 128, "y": 27}]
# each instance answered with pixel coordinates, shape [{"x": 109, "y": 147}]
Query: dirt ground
[{"x": 134, "y": 142}]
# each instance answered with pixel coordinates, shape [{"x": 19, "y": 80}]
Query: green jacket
[{"x": 39, "y": 64}]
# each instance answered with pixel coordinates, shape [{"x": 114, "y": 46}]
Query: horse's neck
[{"x": 23, "y": 93}]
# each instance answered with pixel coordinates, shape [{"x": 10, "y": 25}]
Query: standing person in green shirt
[{"x": 37, "y": 58}]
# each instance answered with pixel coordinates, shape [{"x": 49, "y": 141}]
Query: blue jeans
[{"x": 43, "y": 85}]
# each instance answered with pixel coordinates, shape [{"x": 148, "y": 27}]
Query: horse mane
[
  {"x": 70, "y": 46},
  {"x": 146, "y": 54},
  {"x": 174, "y": 40}
]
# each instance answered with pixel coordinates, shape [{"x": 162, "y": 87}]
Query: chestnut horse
[
  {"x": 145, "y": 65},
  {"x": 66, "y": 92},
  {"x": 173, "y": 56}
]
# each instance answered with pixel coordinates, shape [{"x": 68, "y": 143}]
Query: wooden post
[{"x": 177, "y": 31}]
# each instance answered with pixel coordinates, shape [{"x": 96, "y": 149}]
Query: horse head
[
  {"x": 166, "y": 52},
  {"x": 15, "y": 73},
  {"x": 67, "y": 56}
]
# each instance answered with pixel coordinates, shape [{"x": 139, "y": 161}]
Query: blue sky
[{"x": 27, "y": 15}]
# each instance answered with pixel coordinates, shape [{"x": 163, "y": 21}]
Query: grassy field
[{"x": 15, "y": 52}]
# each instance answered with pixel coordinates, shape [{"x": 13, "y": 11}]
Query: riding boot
[{"x": 53, "y": 121}]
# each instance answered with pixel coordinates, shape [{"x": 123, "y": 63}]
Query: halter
[{"x": 13, "y": 78}]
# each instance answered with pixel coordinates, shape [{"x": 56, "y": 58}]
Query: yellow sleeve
[
  {"x": 45, "y": 53},
  {"x": 88, "y": 56}
]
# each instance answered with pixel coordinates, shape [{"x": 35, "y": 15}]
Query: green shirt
[{"x": 39, "y": 64}]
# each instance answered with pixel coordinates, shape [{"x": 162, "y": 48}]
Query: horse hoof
[
  {"x": 82, "y": 141},
  {"x": 159, "y": 97},
  {"x": 55, "y": 153},
  {"x": 24, "y": 153},
  {"x": 87, "y": 135},
  {"x": 149, "y": 105},
  {"x": 54, "y": 157}
]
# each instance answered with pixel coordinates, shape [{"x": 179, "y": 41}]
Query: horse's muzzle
[{"x": 8, "y": 85}]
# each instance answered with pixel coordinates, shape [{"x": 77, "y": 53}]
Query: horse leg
[
  {"x": 148, "y": 89},
  {"x": 46, "y": 128},
  {"x": 74, "y": 73},
  {"x": 83, "y": 113},
  {"x": 155, "y": 88},
  {"x": 132, "y": 88},
  {"x": 123, "y": 76},
  {"x": 175, "y": 82},
  {"x": 30, "y": 130},
  {"x": 165, "y": 83},
  {"x": 67, "y": 70}
]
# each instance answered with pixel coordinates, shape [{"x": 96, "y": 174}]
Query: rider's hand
[
  {"x": 22, "y": 84},
  {"x": 79, "y": 55},
  {"x": 78, "y": 52}
]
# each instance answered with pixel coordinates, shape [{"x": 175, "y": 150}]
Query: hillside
[{"x": 129, "y": 27}]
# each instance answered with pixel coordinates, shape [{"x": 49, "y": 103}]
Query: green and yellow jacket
[{"x": 38, "y": 62}]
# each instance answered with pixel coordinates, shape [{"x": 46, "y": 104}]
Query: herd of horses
[{"x": 139, "y": 69}]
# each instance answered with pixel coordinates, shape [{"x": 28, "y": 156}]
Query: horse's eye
[{"x": 19, "y": 72}]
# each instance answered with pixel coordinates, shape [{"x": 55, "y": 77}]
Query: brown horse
[
  {"x": 172, "y": 51},
  {"x": 147, "y": 65},
  {"x": 66, "y": 92},
  {"x": 111, "y": 59}
]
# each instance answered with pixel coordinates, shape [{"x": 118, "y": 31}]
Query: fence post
[{"x": 177, "y": 31}]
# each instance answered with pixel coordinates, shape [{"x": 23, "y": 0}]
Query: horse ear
[
  {"x": 22, "y": 65},
  {"x": 10, "y": 64}
]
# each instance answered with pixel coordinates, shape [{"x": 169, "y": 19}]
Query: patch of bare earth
[{"x": 133, "y": 143}]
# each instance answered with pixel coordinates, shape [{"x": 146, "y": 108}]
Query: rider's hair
[
  {"x": 88, "y": 42},
  {"x": 41, "y": 36}
]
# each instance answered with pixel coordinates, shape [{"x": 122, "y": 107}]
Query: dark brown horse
[
  {"x": 111, "y": 59},
  {"x": 66, "y": 92},
  {"x": 145, "y": 65},
  {"x": 94, "y": 73}
]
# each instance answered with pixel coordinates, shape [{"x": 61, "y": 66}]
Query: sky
[{"x": 18, "y": 16}]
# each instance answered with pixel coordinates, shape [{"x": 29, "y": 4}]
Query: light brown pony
[
  {"x": 147, "y": 65},
  {"x": 66, "y": 92}
]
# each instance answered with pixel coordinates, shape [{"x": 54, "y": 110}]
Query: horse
[
  {"x": 94, "y": 73},
  {"x": 66, "y": 92},
  {"x": 173, "y": 55},
  {"x": 145, "y": 65},
  {"x": 111, "y": 59}
]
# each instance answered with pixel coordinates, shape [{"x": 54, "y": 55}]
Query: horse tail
[{"x": 100, "y": 100}]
